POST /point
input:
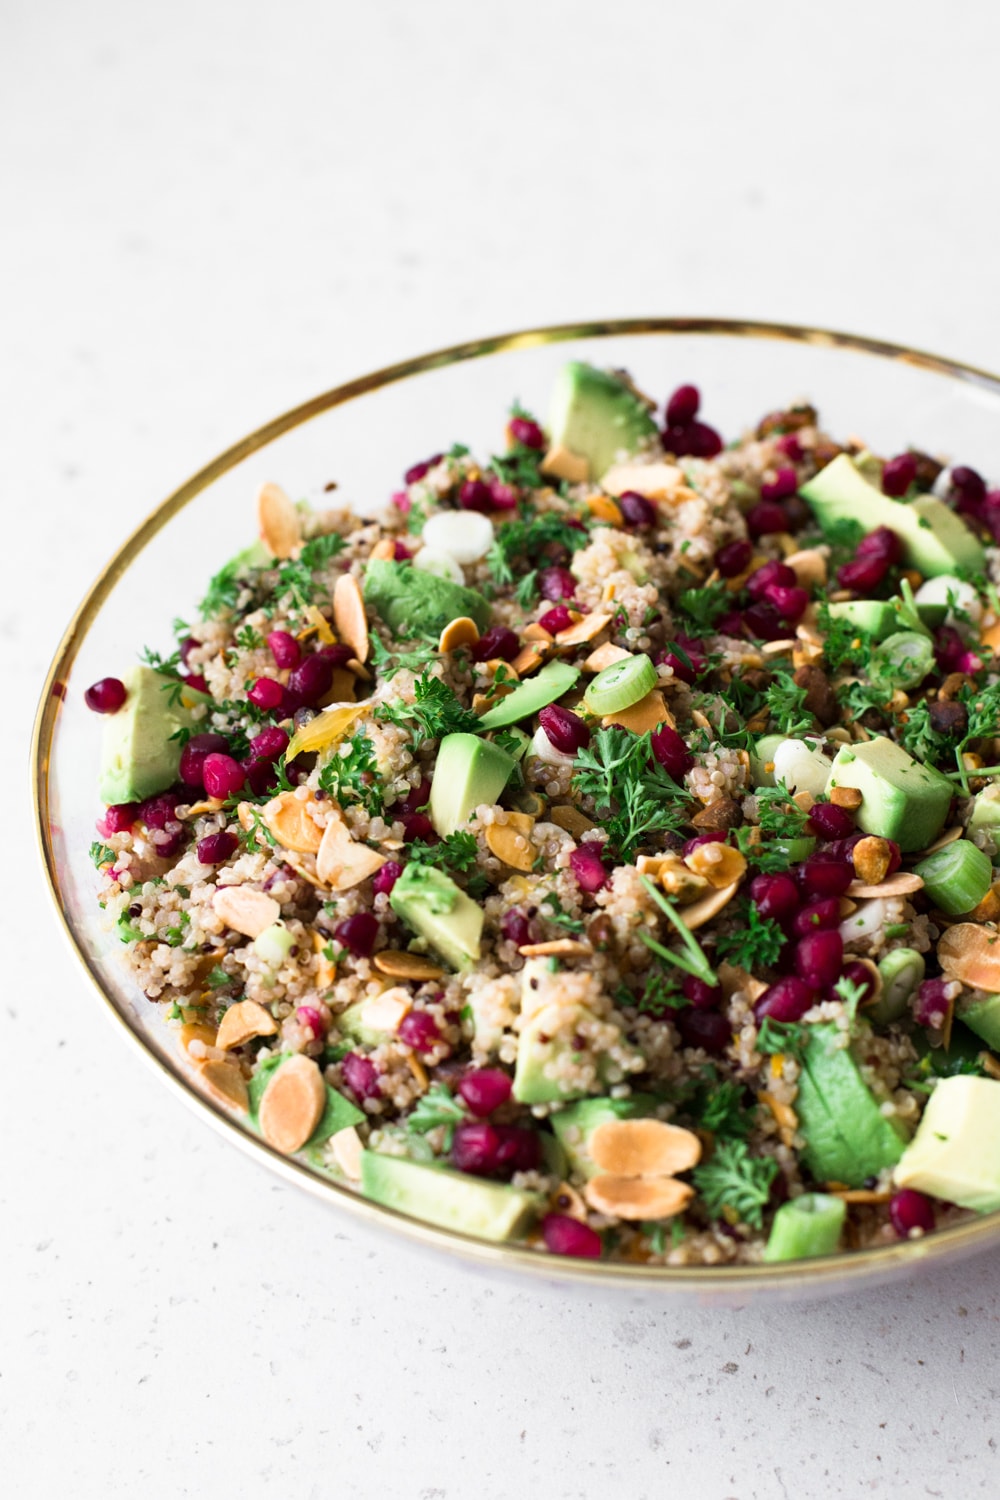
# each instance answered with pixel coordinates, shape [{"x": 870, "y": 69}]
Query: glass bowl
[{"x": 363, "y": 435}]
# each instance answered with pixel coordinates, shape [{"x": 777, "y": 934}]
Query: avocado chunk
[
  {"x": 806, "y": 1226},
  {"x": 934, "y": 538},
  {"x": 554, "y": 1061},
  {"x": 469, "y": 771},
  {"x": 453, "y": 1200},
  {"x": 596, "y": 416},
  {"x": 983, "y": 1017},
  {"x": 139, "y": 755},
  {"x": 418, "y": 603},
  {"x": 575, "y": 1125},
  {"x": 902, "y": 800},
  {"x": 848, "y": 1138},
  {"x": 436, "y": 908},
  {"x": 876, "y": 617},
  {"x": 955, "y": 1153},
  {"x": 555, "y": 679}
]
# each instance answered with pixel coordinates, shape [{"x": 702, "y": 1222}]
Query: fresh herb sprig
[
  {"x": 756, "y": 943},
  {"x": 737, "y": 1181},
  {"x": 435, "y": 711},
  {"x": 634, "y": 796},
  {"x": 387, "y": 663},
  {"x": 297, "y": 577},
  {"x": 458, "y": 851},
  {"x": 704, "y": 605},
  {"x": 518, "y": 542},
  {"x": 693, "y": 960},
  {"x": 350, "y": 775},
  {"x": 437, "y": 1107},
  {"x": 786, "y": 705}
]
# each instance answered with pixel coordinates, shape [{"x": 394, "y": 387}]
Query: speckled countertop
[{"x": 213, "y": 211}]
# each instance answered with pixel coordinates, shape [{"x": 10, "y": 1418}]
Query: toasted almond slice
[
  {"x": 646, "y": 714},
  {"x": 657, "y": 481},
  {"x": 557, "y": 948},
  {"x": 492, "y": 667},
  {"x": 605, "y": 656},
  {"x": 208, "y": 805},
  {"x": 643, "y": 1148},
  {"x": 988, "y": 909},
  {"x": 719, "y": 864},
  {"x": 528, "y": 659},
  {"x": 333, "y": 847},
  {"x": 859, "y": 1195},
  {"x": 304, "y": 871},
  {"x": 586, "y": 629},
  {"x": 784, "y": 1114},
  {"x": 384, "y": 1012},
  {"x": 808, "y": 566},
  {"x": 566, "y": 1200},
  {"x": 399, "y": 964},
  {"x": 349, "y": 615},
  {"x": 570, "y": 819},
  {"x": 603, "y": 508},
  {"x": 346, "y": 1147},
  {"x": 287, "y": 818},
  {"x": 876, "y": 979},
  {"x": 903, "y": 883},
  {"x": 511, "y": 841},
  {"x": 561, "y": 463},
  {"x": 537, "y": 634},
  {"x": 343, "y": 686},
  {"x": 637, "y": 1197},
  {"x": 941, "y": 842},
  {"x": 459, "y": 632},
  {"x": 778, "y": 648},
  {"x": 970, "y": 953},
  {"x": 325, "y": 972},
  {"x": 732, "y": 978},
  {"x": 990, "y": 637},
  {"x": 243, "y": 1021},
  {"x": 989, "y": 1064},
  {"x": 357, "y": 670},
  {"x": 197, "y": 1031},
  {"x": 700, "y": 912},
  {"x": 245, "y": 910},
  {"x": 292, "y": 1105},
  {"x": 384, "y": 550},
  {"x": 355, "y": 863},
  {"x": 650, "y": 865},
  {"x": 224, "y": 1083},
  {"x": 277, "y": 521},
  {"x": 804, "y": 801}
]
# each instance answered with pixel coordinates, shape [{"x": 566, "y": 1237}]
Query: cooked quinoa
[{"x": 682, "y": 907}]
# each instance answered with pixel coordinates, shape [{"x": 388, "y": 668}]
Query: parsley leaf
[
  {"x": 224, "y": 589},
  {"x": 718, "y": 1106},
  {"x": 777, "y": 814},
  {"x": 351, "y": 774},
  {"x": 295, "y": 577},
  {"x": 844, "y": 643},
  {"x": 704, "y": 605},
  {"x": 552, "y": 911},
  {"x": 633, "y": 795},
  {"x": 522, "y": 541},
  {"x": 737, "y": 1181},
  {"x": 781, "y": 1036},
  {"x": 388, "y": 662},
  {"x": 437, "y": 1107},
  {"x": 457, "y": 851},
  {"x": 436, "y": 711},
  {"x": 786, "y": 703},
  {"x": 918, "y": 736},
  {"x": 101, "y": 854},
  {"x": 756, "y": 943}
]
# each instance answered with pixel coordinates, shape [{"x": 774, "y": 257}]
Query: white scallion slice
[
  {"x": 441, "y": 564},
  {"x": 620, "y": 685},
  {"x": 466, "y": 535}
]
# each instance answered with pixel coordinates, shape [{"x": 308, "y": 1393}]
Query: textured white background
[{"x": 208, "y": 212}]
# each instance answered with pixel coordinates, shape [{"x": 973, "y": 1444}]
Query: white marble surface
[{"x": 210, "y": 212}]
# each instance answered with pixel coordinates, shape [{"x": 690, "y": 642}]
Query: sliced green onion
[
  {"x": 620, "y": 685},
  {"x": 805, "y": 1226},
  {"x": 901, "y": 971},
  {"x": 902, "y": 661},
  {"x": 957, "y": 877},
  {"x": 695, "y": 960}
]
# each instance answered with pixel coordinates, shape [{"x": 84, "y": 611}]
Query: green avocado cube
[
  {"x": 469, "y": 771},
  {"x": 848, "y": 1138},
  {"x": 441, "y": 912},
  {"x": 983, "y": 1017},
  {"x": 876, "y": 617},
  {"x": 414, "y": 602},
  {"x": 597, "y": 416},
  {"x": 140, "y": 755},
  {"x": 901, "y": 799},
  {"x": 955, "y": 1154},
  {"x": 532, "y": 695},
  {"x": 453, "y": 1200}
]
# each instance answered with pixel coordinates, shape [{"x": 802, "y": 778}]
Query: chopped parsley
[
  {"x": 844, "y": 643},
  {"x": 782, "y": 1036},
  {"x": 223, "y": 593},
  {"x": 217, "y": 978},
  {"x": 634, "y": 797},
  {"x": 552, "y": 910},
  {"x": 437, "y": 1107},
  {"x": 756, "y": 942},
  {"x": 435, "y": 711},
  {"x": 705, "y": 605},
  {"x": 718, "y": 1106},
  {"x": 522, "y": 541},
  {"x": 388, "y": 662},
  {"x": 457, "y": 851},
  {"x": 737, "y": 1181},
  {"x": 351, "y": 775},
  {"x": 786, "y": 704},
  {"x": 100, "y": 854},
  {"x": 296, "y": 577}
]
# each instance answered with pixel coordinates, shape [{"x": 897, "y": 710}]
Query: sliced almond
[
  {"x": 277, "y": 521},
  {"x": 988, "y": 909},
  {"x": 903, "y": 883},
  {"x": 511, "y": 841},
  {"x": 537, "y": 634},
  {"x": 804, "y": 801},
  {"x": 646, "y": 714},
  {"x": 384, "y": 550},
  {"x": 385, "y": 1012},
  {"x": 224, "y": 1083},
  {"x": 845, "y": 796},
  {"x": 970, "y": 953},
  {"x": 197, "y": 1031},
  {"x": 325, "y": 971},
  {"x": 399, "y": 964},
  {"x": 605, "y": 656},
  {"x": 637, "y": 1197},
  {"x": 784, "y": 1114},
  {"x": 719, "y": 864},
  {"x": 418, "y": 1070},
  {"x": 778, "y": 648},
  {"x": 808, "y": 566},
  {"x": 603, "y": 508},
  {"x": 343, "y": 686},
  {"x": 459, "y": 632},
  {"x": 493, "y": 666},
  {"x": 304, "y": 870},
  {"x": 732, "y": 978},
  {"x": 860, "y": 1195},
  {"x": 245, "y": 910},
  {"x": 656, "y": 481},
  {"x": 570, "y": 819},
  {"x": 242, "y": 1022},
  {"x": 876, "y": 979},
  {"x": 292, "y": 1105},
  {"x": 290, "y": 823},
  {"x": 700, "y": 912},
  {"x": 561, "y": 463},
  {"x": 586, "y": 629},
  {"x": 566, "y": 1200},
  {"x": 528, "y": 659},
  {"x": 356, "y": 864},
  {"x": 357, "y": 670},
  {"x": 346, "y": 1147},
  {"x": 208, "y": 805},
  {"x": 349, "y": 615},
  {"x": 557, "y": 948},
  {"x": 643, "y": 1148}
]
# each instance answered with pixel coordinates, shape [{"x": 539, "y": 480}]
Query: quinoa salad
[{"x": 594, "y": 852}]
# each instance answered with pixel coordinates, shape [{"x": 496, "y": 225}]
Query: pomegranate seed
[
  {"x": 266, "y": 693},
  {"x": 787, "y": 999},
  {"x": 416, "y": 799},
  {"x": 418, "y": 1030},
  {"x": 768, "y": 576},
  {"x": 502, "y": 496},
  {"x": 167, "y": 844},
  {"x": 831, "y": 821},
  {"x": 671, "y": 752},
  {"x": 312, "y": 678},
  {"x": 881, "y": 543},
  {"x": 818, "y": 915},
  {"x": 526, "y": 432},
  {"x": 361, "y": 1076},
  {"x": 498, "y": 643},
  {"x": 309, "y": 1017},
  {"x": 400, "y": 553},
  {"x": 216, "y": 848},
  {"x": 690, "y": 670},
  {"x": 285, "y": 649},
  {"x": 637, "y": 512},
  {"x": 106, "y": 696},
  {"x": 556, "y": 584},
  {"x": 791, "y": 603},
  {"x": 932, "y": 1004},
  {"x": 855, "y": 971},
  {"x": 357, "y": 934},
  {"x": 968, "y": 490},
  {"x": 269, "y": 744},
  {"x": 733, "y": 558},
  {"x": 520, "y": 1149},
  {"x": 476, "y": 1147},
  {"x": 683, "y": 405},
  {"x": 714, "y": 836},
  {"x": 765, "y": 517},
  {"x": 555, "y": 620},
  {"x": 820, "y": 875},
  {"x": 515, "y": 927},
  {"x": 909, "y": 1210},
  {"x": 775, "y": 896},
  {"x": 417, "y": 471},
  {"x": 898, "y": 474},
  {"x": 863, "y": 574},
  {"x": 197, "y": 684},
  {"x": 485, "y": 1089},
  {"x": 818, "y": 957},
  {"x": 193, "y": 755},
  {"x": 222, "y": 775},
  {"x": 587, "y": 867},
  {"x": 784, "y": 484},
  {"x": 692, "y": 440},
  {"x": 120, "y": 816},
  {"x": 475, "y": 495},
  {"x": 419, "y": 826},
  {"x": 763, "y": 623},
  {"x": 707, "y": 1029},
  {"x": 949, "y": 648},
  {"x": 188, "y": 644},
  {"x": 789, "y": 446},
  {"x": 567, "y": 1236},
  {"x": 701, "y": 995},
  {"x": 565, "y": 729},
  {"x": 385, "y": 878},
  {"x": 158, "y": 811}
]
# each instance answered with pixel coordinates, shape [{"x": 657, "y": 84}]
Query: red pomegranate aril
[
  {"x": 831, "y": 821},
  {"x": 196, "y": 683},
  {"x": 565, "y": 730},
  {"x": 895, "y": 856},
  {"x": 670, "y": 751},
  {"x": 418, "y": 1030},
  {"x": 707, "y": 1029},
  {"x": 120, "y": 817},
  {"x": 820, "y": 875},
  {"x": 285, "y": 649},
  {"x": 385, "y": 878},
  {"x": 475, "y": 495},
  {"x": 787, "y": 999},
  {"x": 419, "y": 826},
  {"x": 898, "y": 474},
  {"x": 910, "y": 1210},
  {"x": 818, "y": 957},
  {"x": 223, "y": 776},
  {"x": 689, "y": 666},
  {"x": 700, "y": 995},
  {"x": 361, "y": 1076},
  {"x": 312, "y": 678},
  {"x": 476, "y": 1147},
  {"x": 400, "y": 553},
  {"x": 863, "y": 574},
  {"x": 416, "y": 799},
  {"x": 105, "y": 696},
  {"x": 310, "y": 1020},
  {"x": 766, "y": 517},
  {"x": 192, "y": 763},
  {"x": 515, "y": 927},
  {"x": 932, "y": 1004},
  {"x": 733, "y": 558},
  {"x": 555, "y": 620},
  {"x": 502, "y": 496},
  {"x": 260, "y": 775},
  {"x": 713, "y": 836},
  {"x": 682, "y": 406},
  {"x": 775, "y": 896},
  {"x": 564, "y": 1235},
  {"x": 216, "y": 848},
  {"x": 700, "y": 440},
  {"x": 498, "y": 643},
  {"x": 638, "y": 513},
  {"x": 817, "y": 916},
  {"x": 791, "y": 603},
  {"x": 789, "y": 447},
  {"x": 556, "y": 584},
  {"x": 526, "y": 432},
  {"x": 588, "y": 868},
  {"x": 855, "y": 971},
  {"x": 882, "y": 543},
  {"x": 158, "y": 811},
  {"x": 768, "y": 576},
  {"x": 166, "y": 845},
  {"x": 417, "y": 471},
  {"x": 762, "y": 622},
  {"x": 357, "y": 934},
  {"x": 484, "y": 1090},
  {"x": 269, "y": 744},
  {"x": 731, "y": 623},
  {"x": 520, "y": 1149},
  {"x": 784, "y": 484},
  {"x": 188, "y": 644},
  {"x": 968, "y": 490},
  {"x": 266, "y": 693}
]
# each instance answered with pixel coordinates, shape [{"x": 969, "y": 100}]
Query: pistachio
[{"x": 872, "y": 858}]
